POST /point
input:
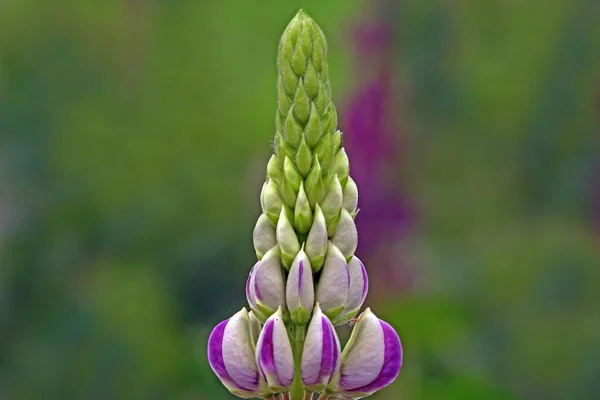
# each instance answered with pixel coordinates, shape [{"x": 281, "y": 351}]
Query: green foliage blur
[{"x": 134, "y": 137}]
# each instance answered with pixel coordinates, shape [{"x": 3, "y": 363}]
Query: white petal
[
  {"x": 269, "y": 286},
  {"x": 333, "y": 284},
  {"x": 345, "y": 236},
  {"x": 358, "y": 285},
  {"x": 238, "y": 354},
  {"x": 300, "y": 291}
]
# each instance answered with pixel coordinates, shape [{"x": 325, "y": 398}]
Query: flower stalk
[{"x": 307, "y": 279}]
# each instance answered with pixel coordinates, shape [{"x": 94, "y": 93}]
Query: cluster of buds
[{"x": 307, "y": 280}]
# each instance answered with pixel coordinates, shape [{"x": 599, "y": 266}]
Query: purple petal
[
  {"x": 330, "y": 353},
  {"x": 266, "y": 359},
  {"x": 392, "y": 361},
  {"x": 215, "y": 351}
]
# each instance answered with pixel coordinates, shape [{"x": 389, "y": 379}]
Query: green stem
[{"x": 297, "y": 392}]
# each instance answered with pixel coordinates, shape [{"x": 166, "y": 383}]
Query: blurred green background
[{"x": 134, "y": 137}]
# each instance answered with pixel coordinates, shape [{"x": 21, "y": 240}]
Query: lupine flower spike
[{"x": 307, "y": 279}]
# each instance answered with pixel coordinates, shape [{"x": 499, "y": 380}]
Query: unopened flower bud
[
  {"x": 350, "y": 201},
  {"x": 271, "y": 201},
  {"x": 345, "y": 236},
  {"x": 303, "y": 216},
  {"x": 357, "y": 291},
  {"x": 304, "y": 157},
  {"x": 287, "y": 239},
  {"x": 321, "y": 354},
  {"x": 341, "y": 166},
  {"x": 332, "y": 204},
  {"x": 371, "y": 359},
  {"x": 274, "y": 354},
  {"x": 255, "y": 326},
  {"x": 265, "y": 288},
  {"x": 316, "y": 243},
  {"x": 263, "y": 236},
  {"x": 300, "y": 292},
  {"x": 274, "y": 170},
  {"x": 333, "y": 283},
  {"x": 231, "y": 356},
  {"x": 314, "y": 184}
]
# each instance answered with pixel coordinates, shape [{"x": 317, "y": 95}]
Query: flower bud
[
  {"x": 300, "y": 292},
  {"x": 371, "y": 359},
  {"x": 303, "y": 216},
  {"x": 316, "y": 243},
  {"x": 274, "y": 170},
  {"x": 263, "y": 236},
  {"x": 301, "y": 103},
  {"x": 337, "y": 141},
  {"x": 341, "y": 166},
  {"x": 274, "y": 354},
  {"x": 313, "y": 130},
  {"x": 287, "y": 239},
  {"x": 271, "y": 201},
  {"x": 350, "y": 201},
  {"x": 345, "y": 236},
  {"x": 332, "y": 204},
  {"x": 304, "y": 157},
  {"x": 314, "y": 184},
  {"x": 265, "y": 287},
  {"x": 231, "y": 356},
  {"x": 324, "y": 148},
  {"x": 357, "y": 291},
  {"x": 321, "y": 354},
  {"x": 333, "y": 283}
]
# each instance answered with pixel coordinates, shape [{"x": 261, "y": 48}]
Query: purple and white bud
[
  {"x": 372, "y": 358},
  {"x": 345, "y": 237},
  {"x": 265, "y": 287},
  {"x": 300, "y": 292},
  {"x": 333, "y": 283},
  {"x": 321, "y": 355},
  {"x": 316, "y": 243},
  {"x": 287, "y": 239},
  {"x": 263, "y": 236},
  {"x": 231, "y": 356},
  {"x": 274, "y": 355},
  {"x": 357, "y": 292}
]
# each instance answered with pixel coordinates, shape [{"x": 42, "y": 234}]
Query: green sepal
[
  {"x": 334, "y": 312},
  {"x": 300, "y": 315},
  {"x": 305, "y": 38},
  {"x": 287, "y": 239},
  {"x": 330, "y": 119},
  {"x": 303, "y": 216},
  {"x": 314, "y": 184},
  {"x": 287, "y": 193},
  {"x": 319, "y": 53},
  {"x": 341, "y": 167},
  {"x": 264, "y": 312},
  {"x": 303, "y": 157},
  {"x": 343, "y": 319},
  {"x": 316, "y": 242},
  {"x": 274, "y": 170},
  {"x": 301, "y": 104},
  {"x": 313, "y": 130},
  {"x": 259, "y": 315}
]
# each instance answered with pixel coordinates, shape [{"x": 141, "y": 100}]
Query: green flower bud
[
  {"x": 283, "y": 101},
  {"x": 304, "y": 157},
  {"x": 314, "y": 184},
  {"x": 284, "y": 149},
  {"x": 274, "y": 170},
  {"x": 291, "y": 182},
  {"x": 311, "y": 81},
  {"x": 264, "y": 236},
  {"x": 332, "y": 204},
  {"x": 324, "y": 151},
  {"x": 345, "y": 237},
  {"x": 350, "y": 201},
  {"x": 316, "y": 243},
  {"x": 271, "y": 201},
  {"x": 293, "y": 130},
  {"x": 286, "y": 237},
  {"x": 301, "y": 104},
  {"x": 337, "y": 141},
  {"x": 303, "y": 216},
  {"x": 341, "y": 166},
  {"x": 313, "y": 130}
]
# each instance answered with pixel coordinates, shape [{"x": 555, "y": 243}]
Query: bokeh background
[{"x": 134, "y": 137}]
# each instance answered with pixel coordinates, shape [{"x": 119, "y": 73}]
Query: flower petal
[
  {"x": 274, "y": 354},
  {"x": 333, "y": 283},
  {"x": 300, "y": 291},
  {"x": 357, "y": 292},
  {"x": 269, "y": 287}
]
